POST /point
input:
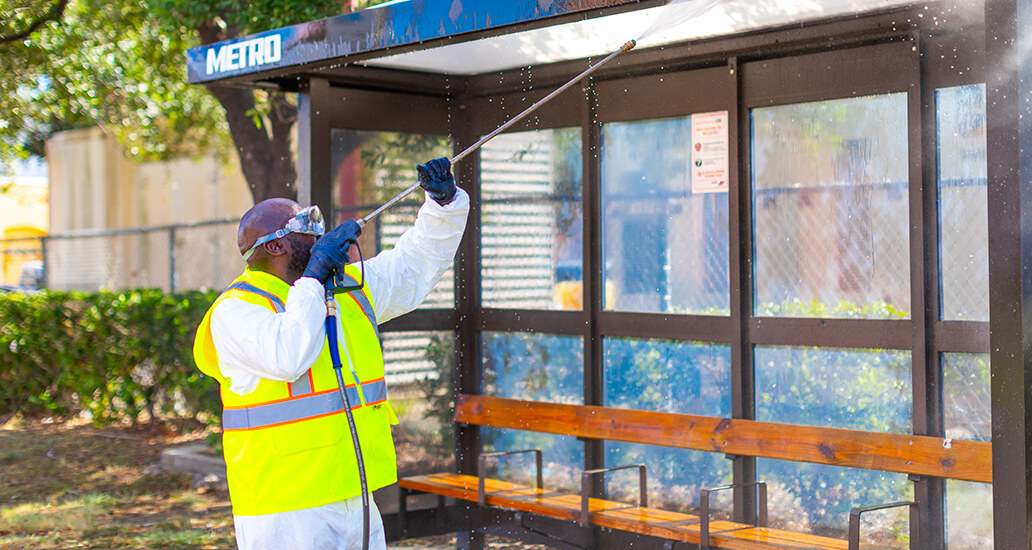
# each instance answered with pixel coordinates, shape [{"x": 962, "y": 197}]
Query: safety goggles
[{"x": 308, "y": 221}]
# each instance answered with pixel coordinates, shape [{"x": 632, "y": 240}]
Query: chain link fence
[
  {"x": 849, "y": 245},
  {"x": 839, "y": 245},
  {"x": 200, "y": 255}
]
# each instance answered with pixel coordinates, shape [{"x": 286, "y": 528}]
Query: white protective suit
[{"x": 254, "y": 342}]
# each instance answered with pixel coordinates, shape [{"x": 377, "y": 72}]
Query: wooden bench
[{"x": 908, "y": 454}]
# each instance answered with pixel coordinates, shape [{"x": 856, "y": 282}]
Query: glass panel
[
  {"x": 665, "y": 249},
  {"x": 370, "y": 168},
  {"x": 969, "y": 515},
  {"x": 418, "y": 368},
  {"x": 963, "y": 203},
  {"x": 536, "y": 367},
  {"x": 836, "y": 388},
  {"x": 966, "y": 396},
  {"x": 675, "y": 476},
  {"x": 661, "y": 375},
  {"x": 967, "y": 415},
  {"x": 562, "y": 458},
  {"x": 667, "y": 376},
  {"x": 531, "y": 236},
  {"x": 830, "y": 214},
  {"x": 815, "y": 498}
]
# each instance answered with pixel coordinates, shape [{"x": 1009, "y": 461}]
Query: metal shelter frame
[{"x": 912, "y": 49}]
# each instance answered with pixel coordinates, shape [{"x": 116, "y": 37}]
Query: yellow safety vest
[{"x": 287, "y": 445}]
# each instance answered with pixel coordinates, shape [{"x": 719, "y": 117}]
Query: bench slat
[
  {"x": 617, "y": 515},
  {"x": 908, "y": 454}
]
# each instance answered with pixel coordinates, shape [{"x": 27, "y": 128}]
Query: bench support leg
[
  {"x": 473, "y": 539},
  {"x": 403, "y": 494},
  {"x": 854, "y": 519},
  {"x": 469, "y": 540}
]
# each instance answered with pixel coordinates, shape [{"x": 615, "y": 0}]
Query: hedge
[{"x": 113, "y": 355}]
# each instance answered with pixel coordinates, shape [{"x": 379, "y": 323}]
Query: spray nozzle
[{"x": 628, "y": 45}]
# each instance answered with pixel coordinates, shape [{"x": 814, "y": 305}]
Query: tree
[
  {"x": 19, "y": 19},
  {"x": 121, "y": 65},
  {"x": 260, "y": 123}
]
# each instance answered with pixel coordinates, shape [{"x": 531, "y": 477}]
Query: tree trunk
[{"x": 266, "y": 159}]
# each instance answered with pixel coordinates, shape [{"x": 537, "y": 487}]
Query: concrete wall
[{"x": 96, "y": 187}]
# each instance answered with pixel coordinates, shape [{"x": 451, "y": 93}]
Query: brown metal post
[
  {"x": 740, "y": 271},
  {"x": 467, "y": 290},
  {"x": 927, "y": 531},
  {"x": 594, "y": 389},
  {"x": 1009, "y": 145},
  {"x": 314, "y": 185}
]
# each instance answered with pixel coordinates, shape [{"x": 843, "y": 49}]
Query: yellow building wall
[{"x": 23, "y": 214}]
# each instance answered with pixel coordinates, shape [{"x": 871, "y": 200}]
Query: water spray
[
  {"x": 335, "y": 285},
  {"x": 675, "y": 13},
  {"x": 626, "y": 47}
]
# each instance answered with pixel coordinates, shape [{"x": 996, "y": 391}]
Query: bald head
[{"x": 265, "y": 217}]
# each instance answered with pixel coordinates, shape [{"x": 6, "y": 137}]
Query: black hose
[{"x": 331, "y": 335}]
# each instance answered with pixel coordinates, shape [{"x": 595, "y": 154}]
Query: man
[{"x": 293, "y": 476}]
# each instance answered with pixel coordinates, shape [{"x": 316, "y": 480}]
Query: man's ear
[{"x": 275, "y": 247}]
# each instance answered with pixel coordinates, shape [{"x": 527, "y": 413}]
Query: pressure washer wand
[{"x": 626, "y": 47}]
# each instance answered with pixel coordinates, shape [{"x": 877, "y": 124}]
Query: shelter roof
[{"x": 467, "y": 37}]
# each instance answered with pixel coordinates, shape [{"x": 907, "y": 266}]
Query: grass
[
  {"x": 74, "y": 515},
  {"x": 71, "y": 485}
]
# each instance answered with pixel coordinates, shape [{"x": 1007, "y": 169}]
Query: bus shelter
[{"x": 776, "y": 241}]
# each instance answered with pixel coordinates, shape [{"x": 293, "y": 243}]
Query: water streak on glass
[
  {"x": 816, "y": 498},
  {"x": 665, "y": 249},
  {"x": 667, "y": 376},
  {"x": 536, "y": 367},
  {"x": 836, "y": 388},
  {"x": 963, "y": 203},
  {"x": 967, "y": 414},
  {"x": 967, "y": 407},
  {"x": 969, "y": 515},
  {"x": 830, "y": 208}
]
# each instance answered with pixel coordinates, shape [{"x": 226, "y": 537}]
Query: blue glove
[
  {"x": 436, "y": 179},
  {"x": 330, "y": 252}
]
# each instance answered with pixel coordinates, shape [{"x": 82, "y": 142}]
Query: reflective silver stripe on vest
[
  {"x": 363, "y": 302},
  {"x": 375, "y": 392},
  {"x": 301, "y": 408},
  {"x": 247, "y": 287},
  {"x": 301, "y": 386},
  {"x": 291, "y": 410}
]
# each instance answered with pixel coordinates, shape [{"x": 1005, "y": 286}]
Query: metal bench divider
[
  {"x": 482, "y": 471},
  {"x": 854, "y": 519},
  {"x": 643, "y": 499},
  {"x": 761, "y": 511}
]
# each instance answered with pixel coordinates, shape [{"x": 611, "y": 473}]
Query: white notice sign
[{"x": 709, "y": 152}]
